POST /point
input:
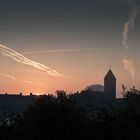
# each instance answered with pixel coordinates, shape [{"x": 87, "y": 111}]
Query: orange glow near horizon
[{"x": 79, "y": 69}]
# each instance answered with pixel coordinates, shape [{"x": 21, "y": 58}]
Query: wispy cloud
[
  {"x": 34, "y": 83},
  {"x": 8, "y": 52},
  {"x": 35, "y": 71},
  {"x": 128, "y": 26},
  {"x": 7, "y": 76},
  {"x": 25, "y": 81},
  {"x": 65, "y": 50},
  {"x": 64, "y": 76},
  {"x": 129, "y": 66}
]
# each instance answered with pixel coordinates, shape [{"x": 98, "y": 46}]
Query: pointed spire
[{"x": 109, "y": 75}]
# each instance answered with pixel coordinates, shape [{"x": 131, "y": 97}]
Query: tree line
[{"x": 59, "y": 118}]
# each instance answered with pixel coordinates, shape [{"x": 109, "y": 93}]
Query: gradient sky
[{"x": 76, "y": 38}]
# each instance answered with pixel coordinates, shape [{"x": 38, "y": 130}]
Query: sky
[{"x": 49, "y": 45}]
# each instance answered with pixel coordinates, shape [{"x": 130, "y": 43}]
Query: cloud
[
  {"x": 65, "y": 50},
  {"x": 25, "y": 81},
  {"x": 35, "y": 71},
  {"x": 8, "y": 76},
  {"x": 128, "y": 65},
  {"x": 8, "y": 52},
  {"x": 34, "y": 83},
  {"x": 127, "y": 26}
]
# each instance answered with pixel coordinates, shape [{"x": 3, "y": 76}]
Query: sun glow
[{"x": 37, "y": 94}]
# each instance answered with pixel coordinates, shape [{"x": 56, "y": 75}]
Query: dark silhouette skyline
[
  {"x": 62, "y": 116},
  {"x": 84, "y": 98}
]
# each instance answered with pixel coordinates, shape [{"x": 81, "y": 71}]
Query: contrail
[
  {"x": 128, "y": 65},
  {"x": 13, "y": 78},
  {"x": 65, "y": 50},
  {"x": 22, "y": 59},
  {"x": 8, "y": 76},
  {"x": 64, "y": 76},
  {"x": 25, "y": 81},
  {"x": 128, "y": 26},
  {"x": 34, "y": 83},
  {"x": 35, "y": 71}
]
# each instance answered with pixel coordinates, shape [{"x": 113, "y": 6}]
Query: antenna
[{"x": 109, "y": 66}]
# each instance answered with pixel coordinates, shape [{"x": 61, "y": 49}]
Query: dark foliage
[{"x": 59, "y": 118}]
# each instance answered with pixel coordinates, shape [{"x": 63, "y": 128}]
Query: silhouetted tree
[
  {"x": 132, "y": 97},
  {"x": 10, "y": 126},
  {"x": 54, "y": 115},
  {"x": 133, "y": 92}
]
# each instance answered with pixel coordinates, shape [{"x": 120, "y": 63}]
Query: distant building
[
  {"x": 15, "y": 102},
  {"x": 99, "y": 98},
  {"x": 110, "y": 85}
]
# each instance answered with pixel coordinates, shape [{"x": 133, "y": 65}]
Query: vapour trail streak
[
  {"x": 8, "y": 76},
  {"x": 22, "y": 59},
  {"x": 64, "y": 76},
  {"x": 13, "y": 78},
  {"x": 65, "y": 50},
  {"x": 34, "y": 83}
]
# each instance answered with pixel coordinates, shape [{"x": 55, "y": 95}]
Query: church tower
[{"x": 110, "y": 85}]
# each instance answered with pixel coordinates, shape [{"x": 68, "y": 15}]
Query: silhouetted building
[
  {"x": 110, "y": 85},
  {"x": 15, "y": 102},
  {"x": 99, "y": 98}
]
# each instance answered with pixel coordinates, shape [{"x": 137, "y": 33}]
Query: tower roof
[{"x": 110, "y": 75}]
